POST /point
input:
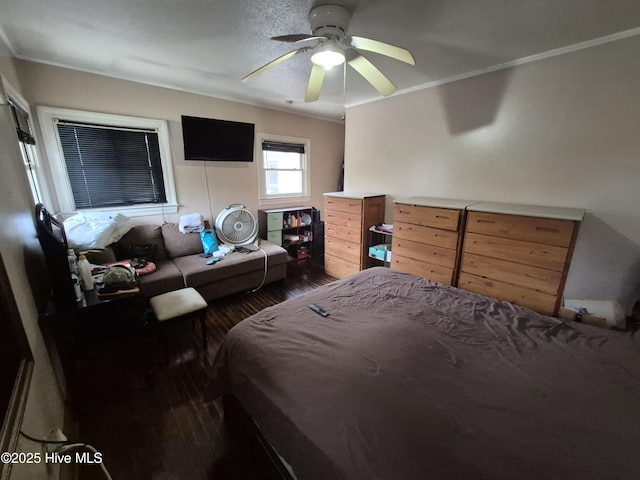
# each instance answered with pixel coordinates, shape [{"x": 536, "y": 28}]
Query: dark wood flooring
[{"x": 141, "y": 405}]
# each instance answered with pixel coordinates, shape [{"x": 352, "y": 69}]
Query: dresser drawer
[
  {"x": 350, "y": 220},
  {"x": 549, "y": 231},
  {"x": 539, "y": 302},
  {"x": 336, "y": 267},
  {"x": 539, "y": 279},
  {"x": 349, "y": 251},
  {"x": 341, "y": 204},
  {"x": 545, "y": 256},
  {"x": 429, "y": 235},
  {"x": 435, "y": 273},
  {"x": 343, "y": 233},
  {"x": 423, "y": 252},
  {"x": 427, "y": 216}
]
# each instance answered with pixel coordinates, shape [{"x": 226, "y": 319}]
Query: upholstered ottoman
[{"x": 181, "y": 304}]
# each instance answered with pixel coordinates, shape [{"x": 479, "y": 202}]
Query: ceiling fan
[{"x": 335, "y": 47}]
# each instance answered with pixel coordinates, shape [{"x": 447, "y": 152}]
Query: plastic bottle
[
  {"x": 73, "y": 261},
  {"x": 76, "y": 287},
  {"x": 84, "y": 270}
]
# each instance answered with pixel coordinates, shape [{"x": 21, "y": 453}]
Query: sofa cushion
[
  {"x": 102, "y": 256},
  {"x": 196, "y": 272},
  {"x": 179, "y": 244},
  {"x": 166, "y": 278},
  {"x": 142, "y": 235}
]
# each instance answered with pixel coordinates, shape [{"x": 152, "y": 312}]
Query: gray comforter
[{"x": 408, "y": 379}]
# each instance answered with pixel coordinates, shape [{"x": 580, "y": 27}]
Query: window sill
[
  {"x": 280, "y": 200},
  {"x": 136, "y": 211}
]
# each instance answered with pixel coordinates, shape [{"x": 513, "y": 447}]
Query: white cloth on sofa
[
  {"x": 191, "y": 223},
  {"x": 94, "y": 230}
]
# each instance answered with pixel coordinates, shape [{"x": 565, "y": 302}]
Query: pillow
[
  {"x": 93, "y": 230},
  {"x": 146, "y": 251},
  {"x": 101, "y": 257},
  {"x": 142, "y": 235},
  {"x": 180, "y": 244}
]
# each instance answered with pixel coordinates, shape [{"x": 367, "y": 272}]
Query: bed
[{"x": 409, "y": 379}]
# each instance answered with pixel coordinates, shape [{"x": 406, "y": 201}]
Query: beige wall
[
  {"x": 7, "y": 66},
  {"x": 228, "y": 182},
  {"x": 562, "y": 131},
  {"x": 45, "y": 403}
]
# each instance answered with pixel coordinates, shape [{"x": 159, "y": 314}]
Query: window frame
[
  {"x": 47, "y": 117},
  {"x": 265, "y": 198},
  {"x": 35, "y": 171}
]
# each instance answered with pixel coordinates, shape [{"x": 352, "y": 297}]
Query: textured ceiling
[{"x": 207, "y": 46}]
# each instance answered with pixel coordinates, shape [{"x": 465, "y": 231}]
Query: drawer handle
[
  {"x": 537, "y": 277},
  {"x": 443, "y": 216},
  {"x": 547, "y": 229},
  {"x": 485, "y": 221}
]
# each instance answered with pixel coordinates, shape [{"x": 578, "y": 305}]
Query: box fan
[{"x": 236, "y": 225}]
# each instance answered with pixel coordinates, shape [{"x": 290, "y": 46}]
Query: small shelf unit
[
  {"x": 379, "y": 238},
  {"x": 292, "y": 228}
]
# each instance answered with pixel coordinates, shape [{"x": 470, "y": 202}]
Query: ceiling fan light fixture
[
  {"x": 328, "y": 56},
  {"x": 335, "y": 47}
]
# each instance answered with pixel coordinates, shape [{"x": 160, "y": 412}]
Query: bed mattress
[{"x": 409, "y": 379}]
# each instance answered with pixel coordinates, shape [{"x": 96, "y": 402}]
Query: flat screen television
[{"x": 215, "y": 140}]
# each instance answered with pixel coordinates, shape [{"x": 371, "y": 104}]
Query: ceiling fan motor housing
[{"x": 329, "y": 21}]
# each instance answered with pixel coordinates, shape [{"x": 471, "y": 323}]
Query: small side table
[{"x": 73, "y": 329}]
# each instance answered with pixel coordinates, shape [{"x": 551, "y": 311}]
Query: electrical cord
[
  {"x": 74, "y": 446},
  {"x": 264, "y": 276},
  {"x": 206, "y": 177},
  {"x": 67, "y": 446},
  {"x": 40, "y": 440}
]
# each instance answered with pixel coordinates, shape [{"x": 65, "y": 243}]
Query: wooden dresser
[
  {"x": 347, "y": 220},
  {"x": 519, "y": 253},
  {"x": 427, "y": 234}
]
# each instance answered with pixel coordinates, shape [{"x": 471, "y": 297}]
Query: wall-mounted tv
[{"x": 217, "y": 140}]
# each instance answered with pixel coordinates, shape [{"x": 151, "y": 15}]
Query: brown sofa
[{"x": 180, "y": 265}]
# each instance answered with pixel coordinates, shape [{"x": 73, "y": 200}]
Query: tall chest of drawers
[
  {"x": 348, "y": 217},
  {"x": 519, "y": 253},
  {"x": 427, "y": 234}
]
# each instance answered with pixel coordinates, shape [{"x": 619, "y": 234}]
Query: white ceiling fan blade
[
  {"x": 382, "y": 48},
  {"x": 275, "y": 62},
  {"x": 296, "y": 37},
  {"x": 372, "y": 75},
  {"x": 315, "y": 83}
]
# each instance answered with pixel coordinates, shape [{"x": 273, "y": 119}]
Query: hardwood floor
[{"x": 141, "y": 406}]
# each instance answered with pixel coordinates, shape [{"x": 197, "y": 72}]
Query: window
[
  {"x": 109, "y": 162},
  {"x": 111, "y": 166},
  {"x": 283, "y": 169},
  {"x": 27, "y": 142}
]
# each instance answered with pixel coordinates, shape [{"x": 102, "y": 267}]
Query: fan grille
[{"x": 236, "y": 226}]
